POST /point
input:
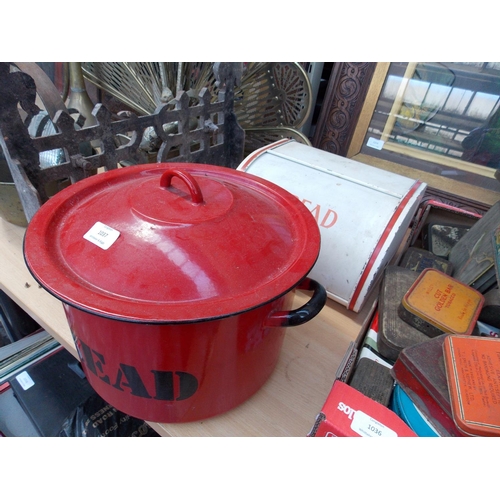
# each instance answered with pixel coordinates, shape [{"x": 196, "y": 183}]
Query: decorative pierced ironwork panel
[{"x": 190, "y": 128}]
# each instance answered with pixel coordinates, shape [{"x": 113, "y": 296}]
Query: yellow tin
[{"x": 437, "y": 303}]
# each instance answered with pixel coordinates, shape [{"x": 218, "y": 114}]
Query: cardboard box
[{"x": 348, "y": 413}]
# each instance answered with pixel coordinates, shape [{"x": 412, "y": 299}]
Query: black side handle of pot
[{"x": 304, "y": 313}]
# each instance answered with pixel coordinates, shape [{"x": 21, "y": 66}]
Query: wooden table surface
[{"x": 286, "y": 405}]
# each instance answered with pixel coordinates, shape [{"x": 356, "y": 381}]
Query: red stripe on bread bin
[
  {"x": 382, "y": 241},
  {"x": 257, "y": 153}
]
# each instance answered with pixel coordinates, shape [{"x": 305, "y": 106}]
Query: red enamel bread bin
[{"x": 177, "y": 281}]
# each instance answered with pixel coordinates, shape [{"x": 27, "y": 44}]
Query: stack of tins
[
  {"x": 436, "y": 333},
  {"x": 430, "y": 332}
]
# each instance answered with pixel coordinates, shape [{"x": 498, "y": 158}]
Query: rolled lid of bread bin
[{"x": 363, "y": 212}]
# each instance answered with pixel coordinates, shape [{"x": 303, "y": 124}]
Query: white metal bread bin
[{"x": 363, "y": 212}]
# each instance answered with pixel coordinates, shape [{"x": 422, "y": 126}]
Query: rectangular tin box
[
  {"x": 436, "y": 212},
  {"x": 394, "y": 333},
  {"x": 441, "y": 238},
  {"x": 420, "y": 371},
  {"x": 369, "y": 347},
  {"x": 437, "y": 303},
  {"x": 473, "y": 257},
  {"x": 472, "y": 367},
  {"x": 418, "y": 259},
  {"x": 373, "y": 380},
  {"x": 363, "y": 212}
]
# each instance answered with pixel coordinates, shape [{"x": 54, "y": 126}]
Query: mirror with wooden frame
[{"x": 438, "y": 121}]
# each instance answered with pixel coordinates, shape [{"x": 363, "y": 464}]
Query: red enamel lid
[{"x": 171, "y": 243}]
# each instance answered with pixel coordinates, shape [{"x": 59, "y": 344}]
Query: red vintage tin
[
  {"x": 420, "y": 371},
  {"x": 177, "y": 281}
]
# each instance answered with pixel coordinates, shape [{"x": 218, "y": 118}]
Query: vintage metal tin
[
  {"x": 472, "y": 369},
  {"x": 394, "y": 333},
  {"x": 420, "y": 371},
  {"x": 441, "y": 238},
  {"x": 495, "y": 240},
  {"x": 473, "y": 257},
  {"x": 373, "y": 380},
  {"x": 363, "y": 212},
  {"x": 369, "y": 348},
  {"x": 437, "y": 303},
  {"x": 405, "y": 408},
  {"x": 436, "y": 212},
  {"x": 418, "y": 259},
  {"x": 490, "y": 312}
]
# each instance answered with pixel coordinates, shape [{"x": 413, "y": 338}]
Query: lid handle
[{"x": 193, "y": 186}]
